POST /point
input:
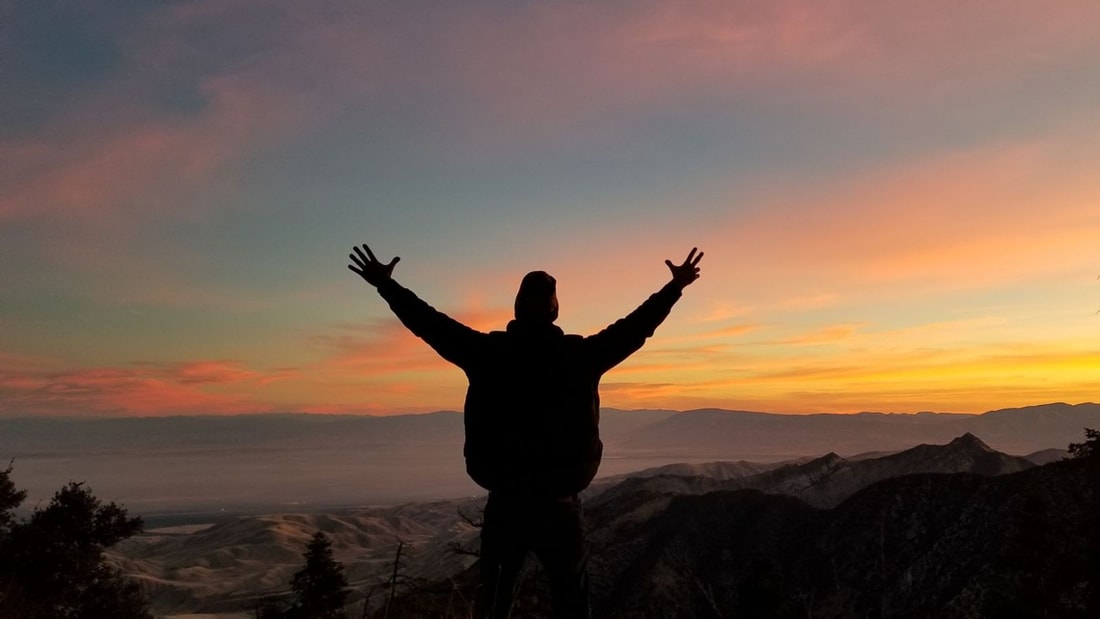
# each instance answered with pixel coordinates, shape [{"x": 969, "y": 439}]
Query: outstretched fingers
[
  {"x": 369, "y": 267},
  {"x": 692, "y": 259},
  {"x": 359, "y": 258},
  {"x": 359, "y": 264},
  {"x": 688, "y": 272}
]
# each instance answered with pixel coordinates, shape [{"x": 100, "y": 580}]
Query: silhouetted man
[{"x": 532, "y": 421}]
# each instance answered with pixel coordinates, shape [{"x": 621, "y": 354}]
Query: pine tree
[
  {"x": 1088, "y": 449},
  {"x": 320, "y": 587},
  {"x": 53, "y": 565},
  {"x": 10, "y": 498}
]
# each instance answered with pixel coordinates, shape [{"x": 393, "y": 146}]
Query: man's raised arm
[
  {"x": 453, "y": 340},
  {"x": 621, "y": 339}
]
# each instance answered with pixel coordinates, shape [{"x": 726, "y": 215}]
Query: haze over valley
[{"x": 264, "y": 463}]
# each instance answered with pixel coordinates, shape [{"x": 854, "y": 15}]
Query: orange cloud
[
  {"x": 988, "y": 216},
  {"x": 485, "y": 320},
  {"x": 825, "y": 335},
  {"x": 225, "y": 372},
  {"x": 730, "y": 331},
  {"x": 638, "y": 393},
  {"x": 964, "y": 379}
]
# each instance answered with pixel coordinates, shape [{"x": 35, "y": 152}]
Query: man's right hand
[{"x": 370, "y": 268}]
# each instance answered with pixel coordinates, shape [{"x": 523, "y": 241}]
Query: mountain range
[
  {"x": 759, "y": 436},
  {"x": 700, "y": 432},
  {"x": 633, "y": 519},
  {"x": 828, "y": 480}
]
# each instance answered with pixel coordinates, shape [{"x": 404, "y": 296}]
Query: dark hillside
[
  {"x": 962, "y": 545},
  {"x": 938, "y": 545}
]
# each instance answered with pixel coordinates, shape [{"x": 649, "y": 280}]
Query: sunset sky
[{"x": 899, "y": 201}]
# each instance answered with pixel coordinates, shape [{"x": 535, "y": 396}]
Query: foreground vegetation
[{"x": 52, "y": 564}]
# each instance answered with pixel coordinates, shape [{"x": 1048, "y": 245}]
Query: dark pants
[{"x": 552, "y": 528}]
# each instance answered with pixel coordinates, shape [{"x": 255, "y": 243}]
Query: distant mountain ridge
[
  {"x": 272, "y": 462},
  {"x": 749, "y": 435},
  {"x": 698, "y": 432},
  {"x": 828, "y": 480}
]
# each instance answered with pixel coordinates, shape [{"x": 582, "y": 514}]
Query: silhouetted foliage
[
  {"x": 52, "y": 565},
  {"x": 1088, "y": 449},
  {"x": 268, "y": 608},
  {"x": 474, "y": 521},
  {"x": 320, "y": 587},
  {"x": 10, "y": 498},
  {"x": 400, "y": 584}
]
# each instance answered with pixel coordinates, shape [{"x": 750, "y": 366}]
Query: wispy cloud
[
  {"x": 826, "y": 335},
  {"x": 377, "y": 348},
  {"x": 128, "y": 193},
  {"x": 139, "y": 389},
  {"x": 994, "y": 215}
]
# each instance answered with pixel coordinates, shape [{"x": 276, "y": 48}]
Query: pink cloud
[
  {"x": 380, "y": 348},
  {"x": 545, "y": 72},
  {"x": 542, "y": 70},
  {"x": 387, "y": 347},
  {"x": 200, "y": 387},
  {"x": 126, "y": 162},
  {"x": 116, "y": 164}
]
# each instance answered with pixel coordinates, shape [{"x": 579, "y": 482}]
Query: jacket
[{"x": 532, "y": 407}]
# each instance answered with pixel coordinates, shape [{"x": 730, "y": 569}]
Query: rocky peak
[
  {"x": 969, "y": 442},
  {"x": 829, "y": 460}
]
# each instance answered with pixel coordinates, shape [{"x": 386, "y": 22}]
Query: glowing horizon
[{"x": 898, "y": 204}]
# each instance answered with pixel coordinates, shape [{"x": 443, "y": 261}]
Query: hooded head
[{"x": 537, "y": 299}]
